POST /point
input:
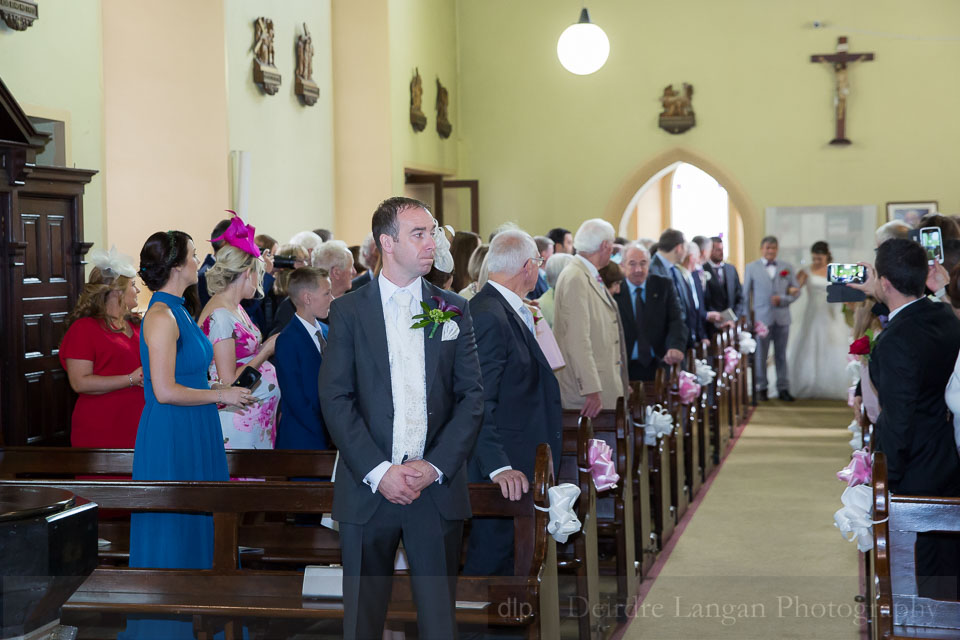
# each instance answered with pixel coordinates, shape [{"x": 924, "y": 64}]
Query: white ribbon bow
[
  {"x": 705, "y": 373},
  {"x": 442, "y": 259},
  {"x": 856, "y": 442},
  {"x": 563, "y": 520},
  {"x": 853, "y": 519},
  {"x": 112, "y": 263},
  {"x": 747, "y": 343},
  {"x": 658, "y": 423},
  {"x": 853, "y": 369}
]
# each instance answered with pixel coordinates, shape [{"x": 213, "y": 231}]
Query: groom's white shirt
[{"x": 410, "y": 413}]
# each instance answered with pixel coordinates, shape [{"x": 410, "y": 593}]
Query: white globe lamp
[{"x": 583, "y": 47}]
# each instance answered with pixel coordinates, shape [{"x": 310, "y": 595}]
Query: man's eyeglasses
[{"x": 538, "y": 261}]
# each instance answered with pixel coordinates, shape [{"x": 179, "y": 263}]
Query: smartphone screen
[
  {"x": 839, "y": 273},
  {"x": 931, "y": 241}
]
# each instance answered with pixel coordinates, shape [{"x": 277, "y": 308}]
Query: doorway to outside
[{"x": 685, "y": 197}]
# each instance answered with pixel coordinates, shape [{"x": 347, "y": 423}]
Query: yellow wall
[
  {"x": 290, "y": 145},
  {"x": 53, "y": 70},
  {"x": 423, "y": 34},
  {"x": 165, "y": 106},
  {"x": 559, "y": 147}
]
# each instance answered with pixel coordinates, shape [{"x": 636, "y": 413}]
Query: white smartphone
[{"x": 932, "y": 242}]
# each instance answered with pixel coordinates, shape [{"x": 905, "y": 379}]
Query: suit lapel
[
  {"x": 371, "y": 317},
  {"x": 628, "y": 301},
  {"x": 431, "y": 346},
  {"x": 527, "y": 337},
  {"x": 306, "y": 337}
]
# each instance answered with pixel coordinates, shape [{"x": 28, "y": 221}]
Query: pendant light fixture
[{"x": 583, "y": 47}]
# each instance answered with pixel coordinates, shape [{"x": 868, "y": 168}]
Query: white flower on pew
[
  {"x": 563, "y": 519},
  {"x": 688, "y": 388},
  {"x": 856, "y": 442},
  {"x": 658, "y": 423},
  {"x": 705, "y": 373},
  {"x": 747, "y": 344},
  {"x": 604, "y": 472},
  {"x": 853, "y": 519},
  {"x": 853, "y": 368}
]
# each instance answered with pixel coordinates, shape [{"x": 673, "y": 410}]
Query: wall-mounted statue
[
  {"x": 19, "y": 14},
  {"x": 677, "y": 115},
  {"x": 265, "y": 74},
  {"x": 305, "y": 87},
  {"x": 443, "y": 103},
  {"x": 417, "y": 119}
]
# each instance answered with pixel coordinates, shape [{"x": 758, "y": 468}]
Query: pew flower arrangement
[
  {"x": 854, "y": 518},
  {"x": 657, "y": 423},
  {"x": 563, "y": 519},
  {"x": 747, "y": 344},
  {"x": 437, "y": 316},
  {"x": 688, "y": 388},
  {"x": 705, "y": 373},
  {"x": 859, "y": 470},
  {"x": 856, "y": 442},
  {"x": 602, "y": 469},
  {"x": 761, "y": 329},
  {"x": 731, "y": 358}
]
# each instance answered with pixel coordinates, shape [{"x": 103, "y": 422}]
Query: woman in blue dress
[{"x": 179, "y": 436}]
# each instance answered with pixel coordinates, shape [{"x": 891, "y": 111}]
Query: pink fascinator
[{"x": 239, "y": 235}]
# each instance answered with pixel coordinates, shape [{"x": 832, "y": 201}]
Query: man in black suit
[
  {"x": 403, "y": 406},
  {"x": 521, "y": 395},
  {"x": 910, "y": 366},
  {"x": 723, "y": 288},
  {"x": 653, "y": 325}
]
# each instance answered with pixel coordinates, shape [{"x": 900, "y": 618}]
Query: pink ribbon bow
[
  {"x": 731, "y": 358},
  {"x": 689, "y": 388},
  {"x": 851, "y": 396},
  {"x": 240, "y": 235},
  {"x": 859, "y": 470},
  {"x": 602, "y": 469},
  {"x": 761, "y": 329}
]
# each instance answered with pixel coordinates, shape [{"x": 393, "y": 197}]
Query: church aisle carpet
[{"x": 761, "y": 558}]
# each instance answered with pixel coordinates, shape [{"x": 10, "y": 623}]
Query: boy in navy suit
[{"x": 298, "y": 355}]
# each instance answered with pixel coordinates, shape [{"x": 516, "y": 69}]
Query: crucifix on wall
[{"x": 839, "y": 60}]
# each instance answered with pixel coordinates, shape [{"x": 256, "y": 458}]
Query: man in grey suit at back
[{"x": 772, "y": 285}]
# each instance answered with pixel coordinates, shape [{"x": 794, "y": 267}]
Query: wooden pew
[
  {"x": 709, "y": 434},
  {"x": 900, "y": 612},
  {"x": 662, "y": 511},
  {"x": 226, "y": 597},
  {"x": 645, "y": 541},
  {"x": 679, "y": 483},
  {"x": 692, "y": 434},
  {"x": 579, "y": 555},
  {"x": 615, "y": 518}
]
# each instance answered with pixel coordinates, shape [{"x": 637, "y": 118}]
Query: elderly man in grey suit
[{"x": 772, "y": 286}]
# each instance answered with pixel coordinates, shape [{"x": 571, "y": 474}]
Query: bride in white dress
[{"x": 819, "y": 335}]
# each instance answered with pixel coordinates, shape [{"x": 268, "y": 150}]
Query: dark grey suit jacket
[
  {"x": 662, "y": 317},
  {"x": 357, "y": 403}
]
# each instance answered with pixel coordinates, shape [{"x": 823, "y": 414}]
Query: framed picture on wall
[{"x": 910, "y": 212}]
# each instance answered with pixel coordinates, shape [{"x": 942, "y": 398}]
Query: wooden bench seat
[{"x": 228, "y": 596}]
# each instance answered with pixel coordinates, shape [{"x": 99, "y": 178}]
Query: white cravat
[{"x": 408, "y": 380}]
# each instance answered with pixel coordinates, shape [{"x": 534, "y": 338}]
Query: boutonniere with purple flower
[{"x": 436, "y": 316}]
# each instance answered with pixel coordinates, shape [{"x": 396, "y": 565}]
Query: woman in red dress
[{"x": 101, "y": 355}]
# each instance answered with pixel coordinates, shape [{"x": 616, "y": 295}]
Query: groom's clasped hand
[{"x": 402, "y": 483}]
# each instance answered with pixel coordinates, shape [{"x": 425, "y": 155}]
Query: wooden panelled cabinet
[{"x": 41, "y": 275}]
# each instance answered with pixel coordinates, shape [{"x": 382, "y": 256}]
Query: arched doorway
[{"x": 652, "y": 184}]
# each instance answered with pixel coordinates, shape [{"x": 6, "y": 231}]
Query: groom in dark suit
[
  {"x": 910, "y": 365},
  {"x": 653, "y": 325},
  {"x": 403, "y": 407},
  {"x": 521, "y": 395},
  {"x": 723, "y": 288}
]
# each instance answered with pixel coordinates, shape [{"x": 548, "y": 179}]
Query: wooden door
[{"x": 46, "y": 229}]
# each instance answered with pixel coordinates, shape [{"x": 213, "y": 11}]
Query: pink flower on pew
[
  {"x": 859, "y": 470},
  {"x": 851, "y": 396},
  {"x": 761, "y": 329},
  {"x": 688, "y": 387},
  {"x": 602, "y": 469},
  {"x": 731, "y": 358}
]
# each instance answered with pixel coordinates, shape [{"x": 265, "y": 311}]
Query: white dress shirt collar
[
  {"x": 515, "y": 301},
  {"x": 387, "y": 289},
  {"x": 312, "y": 329},
  {"x": 590, "y": 266},
  {"x": 894, "y": 313}
]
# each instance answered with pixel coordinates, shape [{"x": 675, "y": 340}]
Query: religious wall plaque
[
  {"x": 265, "y": 74},
  {"x": 443, "y": 103},
  {"x": 19, "y": 14},
  {"x": 305, "y": 87},
  {"x": 417, "y": 119},
  {"x": 677, "y": 115}
]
